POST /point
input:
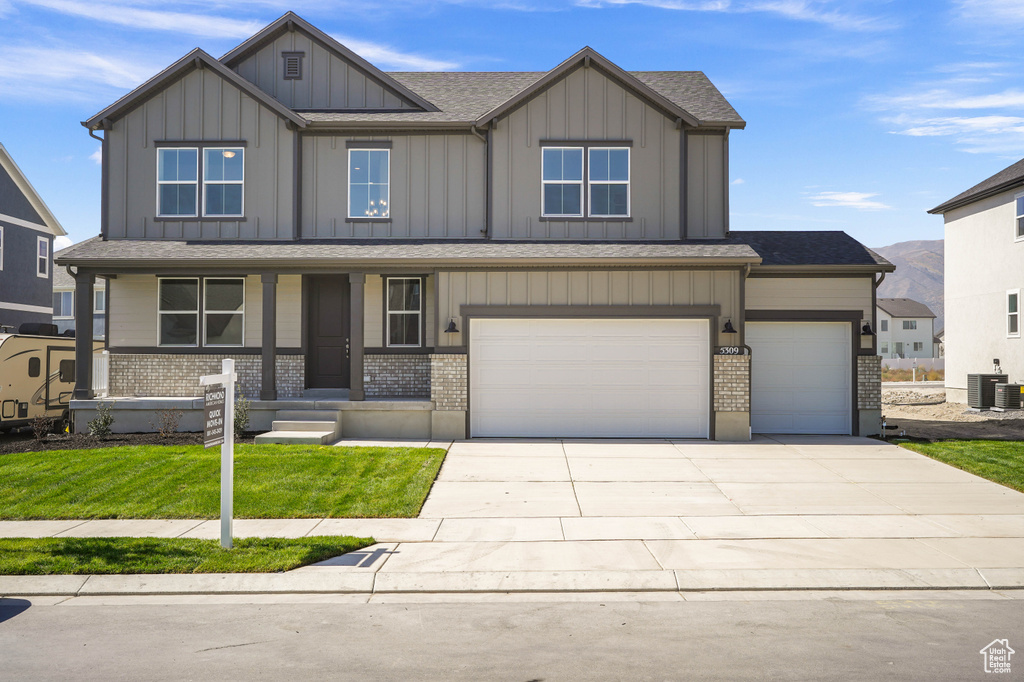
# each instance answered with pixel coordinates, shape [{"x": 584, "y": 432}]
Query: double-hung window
[
  {"x": 884, "y": 325},
  {"x": 43, "y": 257},
  {"x": 223, "y": 311},
  {"x": 1019, "y": 222},
  {"x": 404, "y": 312},
  {"x": 918, "y": 345},
  {"x": 1, "y": 247},
  {"x": 1013, "y": 312},
  {"x": 369, "y": 176},
  {"x": 211, "y": 309},
  {"x": 220, "y": 194},
  {"x": 910, "y": 324},
  {"x": 179, "y": 311},
  {"x": 63, "y": 304},
  {"x": 585, "y": 182}
]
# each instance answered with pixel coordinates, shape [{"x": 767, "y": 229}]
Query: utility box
[
  {"x": 981, "y": 389},
  {"x": 1008, "y": 396}
]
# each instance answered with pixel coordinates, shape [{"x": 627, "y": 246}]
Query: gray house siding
[
  {"x": 437, "y": 187},
  {"x": 328, "y": 82},
  {"x": 586, "y": 105},
  {"x": 14, "y": 203},
  {"x": 707, "y": 183},
  {"x": 200, "y": 106},
  {"x": 19, "y": 283}
]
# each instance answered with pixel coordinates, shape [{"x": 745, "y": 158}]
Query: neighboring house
[
  {"x": 27, "y": 229},
  {"x": 510, "y": 254},
  {"x": 940, "y": 345},
  {"x": 905, "y": 329},
  {"x": 64, "y": 304},
  {"x": 984, "y": 277}
]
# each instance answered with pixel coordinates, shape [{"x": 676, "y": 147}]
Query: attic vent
[{"x": 293, "y": 65}]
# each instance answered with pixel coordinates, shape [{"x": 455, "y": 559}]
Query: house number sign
[{"x": 731, "y": 350}]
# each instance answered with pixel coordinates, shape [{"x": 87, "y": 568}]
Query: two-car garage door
[{"x": 589, "y": 377}]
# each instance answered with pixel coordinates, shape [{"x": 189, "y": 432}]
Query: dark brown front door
[{"x": 329, "y": 322}]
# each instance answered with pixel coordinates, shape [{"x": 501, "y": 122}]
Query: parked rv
[{"x": 37, "y": 375}]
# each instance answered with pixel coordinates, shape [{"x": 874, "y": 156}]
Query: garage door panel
[{"x": 601, "y": 377}]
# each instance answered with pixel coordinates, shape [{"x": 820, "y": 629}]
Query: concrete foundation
[
  {"x": 448, "y": 425},
  {"x": 870, "y": 422},
  {"x": 732, "y": 426}
]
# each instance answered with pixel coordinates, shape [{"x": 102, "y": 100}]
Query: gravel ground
[{"x": 924, "y": 413}]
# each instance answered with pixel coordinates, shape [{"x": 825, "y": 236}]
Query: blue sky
[{"x": 861, "y": 115}]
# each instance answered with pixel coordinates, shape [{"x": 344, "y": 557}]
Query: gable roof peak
[{"x": 8, "y": 164}]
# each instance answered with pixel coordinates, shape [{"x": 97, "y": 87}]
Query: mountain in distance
[{"x": 918, "y": 276}]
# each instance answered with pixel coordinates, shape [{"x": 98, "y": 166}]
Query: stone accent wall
[
  {"x": 448, "y": 383},
  {"x": 732, "y": 383},
  {"x": 396, "y": 376},
  {"x": 869, "y": 382},
  {"x": 177, "y": 376}
]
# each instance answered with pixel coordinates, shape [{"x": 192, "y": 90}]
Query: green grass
[
  {"x": 1001, "y": 461},
  {"x": 82, "y": 556},
  {"x": 183, "y": 482}
]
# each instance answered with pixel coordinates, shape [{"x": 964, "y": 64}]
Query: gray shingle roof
[
  {"x": 413, "y": 252},
  {"x": 464, "y": 96},
  {"x": 904, "y": 307},
  {"x": 1008, "y": 178},
  {"x": 809, "y": 248}
]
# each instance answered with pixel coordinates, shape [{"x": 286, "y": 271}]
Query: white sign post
[{"x": 227, "y": 378}]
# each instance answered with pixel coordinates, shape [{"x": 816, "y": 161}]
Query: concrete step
[
  {"x": 292, "y": 425},
  {"x": 326, "y": 393},
  {"x": 309, "y": 415},
  {"x": 298, "y": 437}
]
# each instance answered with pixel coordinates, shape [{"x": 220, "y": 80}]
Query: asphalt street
[{"x": 833, "y": 636}]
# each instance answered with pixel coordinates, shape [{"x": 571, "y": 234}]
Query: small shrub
[
  {"x": 42, "y": 426},
  {"x": 242, "y": 405},
  {"x": 167, "y": 421},
  {"x": 100, "y": 426}
]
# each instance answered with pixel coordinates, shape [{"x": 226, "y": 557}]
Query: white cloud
[
  {"x": 385, "y": 57},
  {"x": 97, "y": 156},
  {"x": 126, "y": 14},
  {"x": 992, "y": 11},
  {"x": 859, "y": 200},
  {"x": 37, "y": 72},
  {"x": 61, "y": 243},
  {"x": 737, "y": 181}
]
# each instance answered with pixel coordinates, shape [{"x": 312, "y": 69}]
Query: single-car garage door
[
  {"x": 589, "y": 377},
  {"x": 800, "y": 377}
]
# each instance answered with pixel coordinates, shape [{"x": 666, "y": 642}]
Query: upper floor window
[
  {"x": 585, "y": 181},
  {"x": 43, "y": 257},
  {"x": 369, "y": 174},
  {"x": 1019, "y": 223},
  {"x": 221, "y": 192},
  {"x": 1013, "y": 312},
  {"x": 884, "y": 325},
  {"x": 404, "y": 311},
  {"x": 910, "y": 324},
  {"x": 1, "y": 247}
]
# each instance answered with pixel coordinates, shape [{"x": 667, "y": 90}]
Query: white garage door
[
  {"x": 589, "y": 378},
  {"x": 800, "y": 377}
]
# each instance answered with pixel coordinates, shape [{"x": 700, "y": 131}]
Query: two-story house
[
  {"x": 984, "y": 275},
  {"x": 27, "y": 230},
  {"x": 459, "y": 254},
  {"x": 905, "y": 329}
]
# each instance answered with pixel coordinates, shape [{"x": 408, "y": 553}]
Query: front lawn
[
  {"x": 1001, "y": 461},
  {"x": 95, "y": 556},
  {"x": 183, "y": 482}
]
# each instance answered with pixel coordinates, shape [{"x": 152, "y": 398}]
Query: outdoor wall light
[
  {"x": 729, "y": 329},
  {"x": 452, "y": 329},
  {"x": 866, "y": 330}
]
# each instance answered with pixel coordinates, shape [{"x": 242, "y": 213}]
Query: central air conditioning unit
[{"x": 981, "y": 389}]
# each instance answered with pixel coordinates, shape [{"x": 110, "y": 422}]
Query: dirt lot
[{"x": 924, "y": 413}]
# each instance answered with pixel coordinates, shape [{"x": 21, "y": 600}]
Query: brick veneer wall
[
  {"x": 448, "y": 385},
  {"x": 732, "y": 383},
  {"x": 869, "y": 382},
  {"x": 171, "y": 375},
  {"x": 396, "y": 376}
]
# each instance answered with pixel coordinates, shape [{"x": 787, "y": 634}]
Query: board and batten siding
[
  {"x": 584, "y": 288},
  {"x": 373, "y": 312},
  {"x": 134, "y": 304},
  {"x": 437, "y": 187},
  {"x": 810, "y": 293},
  {"x": 586, "y": 105},
  {"x": 707, "y": 198},
  {"x": 200, "y": 106},
  {"x": 328, "y": 82}
]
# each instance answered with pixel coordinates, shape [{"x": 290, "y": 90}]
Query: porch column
[
  {"x": 84, "y": 282},
  {"x": 357, "y": 280},
  {"x": 268, "y": 385}
]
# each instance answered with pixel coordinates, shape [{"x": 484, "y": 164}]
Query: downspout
[
  {"x": 486, "y": 231},
  {"x": 105, "y": 125},
  {"x": 874, "y": 310}
]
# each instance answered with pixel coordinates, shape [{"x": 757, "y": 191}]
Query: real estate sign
[{"x": 213, "y": 432}]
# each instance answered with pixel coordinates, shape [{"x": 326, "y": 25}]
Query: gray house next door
[{"x": 329, "y": 322}]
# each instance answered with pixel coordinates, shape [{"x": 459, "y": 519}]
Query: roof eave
[
  {"x": 950, "y": 205},
  {"x": 389, "y": 125},
  {"x": 865, "y": 268}
]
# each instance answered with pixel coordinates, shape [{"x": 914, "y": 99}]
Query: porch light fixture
[
  {"x": 729, "y": 329},
  {"x": 866, "y": 330},
  {"x": 452, "y": 329}
]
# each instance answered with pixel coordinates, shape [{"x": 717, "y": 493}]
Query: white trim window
[
  {"x": 223, "y": 311},
  {"x": 223, "y": 182},
  {"x": 1013, "y": 313},
  {"x": 43, "y": 257},
  {"x": 63, "y": 305},
  {"x": 910, "y": 324},
  {"x": 608, "y": 182},
  {"x": 178, "y": 311},
  {"x": 884, "y": 350},
  {"x": 918, "y": 345},
  {"x": 1019, "y": 222},
  {"x": 883, "y": 325},
  {"x": 404, "y": 311},
  {"x": 99, "y": 301},
  {"x": 369, "y": 178},
  {"x": 1, "y": 247},
  {"x": 562, "y": 182},
  {"x": 177, "y": 180}
]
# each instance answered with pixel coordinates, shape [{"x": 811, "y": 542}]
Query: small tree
[
  {"x": 167, "y": 421},
  {"x": 242, "y": 405},
  {"x": 100, "y": 426},
  {"x": 42, "y": 426}
]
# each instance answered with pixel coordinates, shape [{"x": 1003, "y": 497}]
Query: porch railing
[{"x": 101, "y": 373}]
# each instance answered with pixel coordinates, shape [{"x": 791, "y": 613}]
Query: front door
[{"x": 329, "y": 320}]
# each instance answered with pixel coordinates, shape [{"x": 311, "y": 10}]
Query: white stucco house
[
  {"x": 905, "y": 329},
  {"x": 984, "y": 274}
]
